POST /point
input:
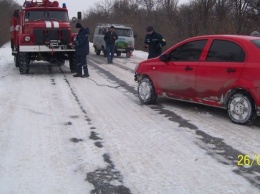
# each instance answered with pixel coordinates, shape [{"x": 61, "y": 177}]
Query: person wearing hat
[
  {"x": 110, "y": 39},
  {"x": 255, "y": 33},
  {"x": 153, "y": 42},
  {"x": 81, "y": 45}
]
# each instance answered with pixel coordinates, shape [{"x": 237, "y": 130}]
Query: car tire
[
  {"x": 146, "y": 91},
  {"x": 241, "y": 109},
  {"x": 60, "y": 62},
  {"x": 24, "y": 63}
]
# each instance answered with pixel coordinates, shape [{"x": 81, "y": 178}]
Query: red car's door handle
[
  {"x": 230, "y": 70},
  {"x": 188, "y": 68}
]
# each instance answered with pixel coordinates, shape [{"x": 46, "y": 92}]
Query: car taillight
[{"x": 130, "y": 45}]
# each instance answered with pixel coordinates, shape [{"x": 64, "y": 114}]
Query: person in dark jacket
[
  {"x": 81, "y": 45},
  {"x": 153, "y": 42},
  {"x": 110, "y": 38}
]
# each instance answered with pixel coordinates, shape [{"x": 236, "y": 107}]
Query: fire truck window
[{"x": 46, "y": 15}]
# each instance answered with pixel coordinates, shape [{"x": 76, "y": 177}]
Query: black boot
[
  {"x": 77, "y": 75},
  {"x": 85, "y": 76}
]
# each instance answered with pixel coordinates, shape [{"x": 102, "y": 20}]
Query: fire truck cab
[{"x": 41, "y": 31}]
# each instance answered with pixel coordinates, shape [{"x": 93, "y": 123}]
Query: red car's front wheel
[{"x": 146, "y": 91}]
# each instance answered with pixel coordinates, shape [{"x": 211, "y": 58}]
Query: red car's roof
[{"x": 231, "y": 36}]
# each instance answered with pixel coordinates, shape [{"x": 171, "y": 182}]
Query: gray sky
[{"x": 81, "y": 5}]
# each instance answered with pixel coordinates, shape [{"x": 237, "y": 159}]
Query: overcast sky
[{"x": 80, "y": 5}]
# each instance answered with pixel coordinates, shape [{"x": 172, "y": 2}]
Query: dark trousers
[
  {"x": 110, "y": 52},
  {"x": 82, "y": 63},
  {"x": 154, "y": 52}
]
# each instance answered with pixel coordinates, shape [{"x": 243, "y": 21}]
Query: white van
[{"x": 124, "y": 44}]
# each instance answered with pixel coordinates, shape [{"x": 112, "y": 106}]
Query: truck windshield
[
  {"x": 124, "y": 32},
  {"x": 46, "y": 15}
]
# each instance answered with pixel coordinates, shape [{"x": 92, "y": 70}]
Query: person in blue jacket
[
  {"x": 81, "y": 45},
  {"x": 154, "y": 42}
]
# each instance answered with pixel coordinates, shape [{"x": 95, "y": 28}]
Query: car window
[
  {"x": 124, "y": 32},
  {"x": 190, "y": 51},
  {"x": 102, "y": 31},
  {"x": 225, "y": 51},
  {"x": 256, "y": 43},
  {"x": 46, "y": 15}
]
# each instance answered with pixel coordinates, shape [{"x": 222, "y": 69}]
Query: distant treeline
[
  {"x": 177, "y": 22},
  {"x": 174, "y": 21}
]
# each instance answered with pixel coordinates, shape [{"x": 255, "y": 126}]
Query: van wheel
[
  {"x": 98, "y": 52},
  {"x": 128, "y": 54},
  {"x": 241, "y": 109},
  {"x": 118, "y": 54},
  {"x": 146, "y": 91},
  {"x": 24, "y": 63},
  {"x": 105, "y": 53}
]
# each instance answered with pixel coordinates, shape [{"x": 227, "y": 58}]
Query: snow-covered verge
[{"x": 66, "y": 135}]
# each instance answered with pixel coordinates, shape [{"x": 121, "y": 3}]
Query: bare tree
[
  {"x": 105, "y": 7},
  {"x": 177, "y": 22},
  {"x": 148, "y": 5},
  {"x": 239, "y": 10}
]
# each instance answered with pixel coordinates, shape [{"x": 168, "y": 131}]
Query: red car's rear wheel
[{"x": 241, "y": 109}]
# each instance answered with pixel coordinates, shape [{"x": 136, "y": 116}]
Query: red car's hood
[
  {"x": 142, "y": 66},
  {"x": 149, "y": 61}
]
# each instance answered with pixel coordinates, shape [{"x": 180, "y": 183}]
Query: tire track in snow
[{"x": 103, "y": 179}]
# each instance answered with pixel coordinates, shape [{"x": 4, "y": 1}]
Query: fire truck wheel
[
  {"x": 24, "y": 63},
  {"x": 73, "y": 64},
  {"x": 16, "y": 60},
  {"x": 61, "y": 62}
]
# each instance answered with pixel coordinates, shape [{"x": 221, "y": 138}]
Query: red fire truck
[{"x": 41, "y": 31}]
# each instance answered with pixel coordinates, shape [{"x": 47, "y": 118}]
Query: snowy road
[{"x": 66, "y": 135}]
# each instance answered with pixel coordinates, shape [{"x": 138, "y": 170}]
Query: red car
[{"x": 216, "y": 70}]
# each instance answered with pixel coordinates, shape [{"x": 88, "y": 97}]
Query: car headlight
[{"x": 27, "y": 38}]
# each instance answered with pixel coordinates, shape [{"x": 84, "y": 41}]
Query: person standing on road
[
  {"x": 81, "y": 45},
  {"x": 153, "y": 42},
  {"x": 110, "y": 38}
]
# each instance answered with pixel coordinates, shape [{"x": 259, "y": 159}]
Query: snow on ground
[{"x": 65, "y": 135}]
